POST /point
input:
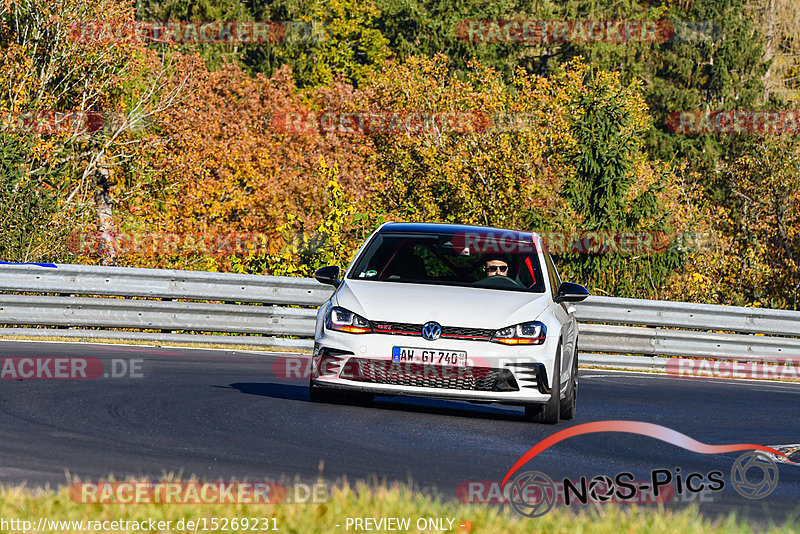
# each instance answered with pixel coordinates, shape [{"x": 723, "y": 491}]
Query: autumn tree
[
  {"x": 323, "y": 41},
  {"x": 227, "y": 167},
  {"x": 51, "y": 63},
  {"x": 750, "y": 255},
  {"x": 42, "y": 70},
  {"x": 499, "y": 168}
]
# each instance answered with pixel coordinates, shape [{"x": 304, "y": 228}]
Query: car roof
[{"x": 451, "y": 229}]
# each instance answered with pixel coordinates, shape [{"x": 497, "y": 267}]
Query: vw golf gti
[{"x": 454, "y": 312}]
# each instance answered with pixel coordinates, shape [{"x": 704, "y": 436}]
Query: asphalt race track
[{"x": 221, "y": 414}]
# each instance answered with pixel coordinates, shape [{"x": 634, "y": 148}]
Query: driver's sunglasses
[{"x": 493, "y": 268}]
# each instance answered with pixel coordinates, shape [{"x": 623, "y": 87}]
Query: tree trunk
[
  {"x": 769, "y": 48},
  {"x": 105, "y": 216}
]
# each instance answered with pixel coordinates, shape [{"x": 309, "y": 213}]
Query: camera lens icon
[
  {"x": 754, "y": 475},
  {"x": 532, "y": 494}
]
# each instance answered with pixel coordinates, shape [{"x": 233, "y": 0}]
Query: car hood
[{"x": 447, "y": 305}]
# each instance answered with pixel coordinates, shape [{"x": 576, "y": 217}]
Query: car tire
[
  {"x": 548, "y": 413},
  {"x": 570, "y": 401}
]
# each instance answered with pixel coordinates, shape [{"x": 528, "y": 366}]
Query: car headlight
[
  {"x": 343, "y": 320},
  {"x": 532, "y": 333}
]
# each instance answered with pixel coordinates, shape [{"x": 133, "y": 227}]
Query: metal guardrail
[
  {"x": 154, "y": 314},
  {"x": 86, "y": 301},
  {"x": 664, "y": 342},
  {"x": 162, "y": 283},
  {"x": 690, "y": 316}
]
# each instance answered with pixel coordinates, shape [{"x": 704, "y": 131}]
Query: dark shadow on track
[
  {"x": 267, "y": 389},
  {"x": 399, "y": 403}
]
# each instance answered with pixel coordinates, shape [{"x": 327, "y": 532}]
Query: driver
[{"x": 496, "y": 266}]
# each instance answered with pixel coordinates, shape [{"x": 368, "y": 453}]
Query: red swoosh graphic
[{"x": 635, "y": 427}]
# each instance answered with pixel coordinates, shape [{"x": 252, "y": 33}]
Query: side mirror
[
  {"x": 328, "y": 275},
  {"x": 569, "y": 292}
]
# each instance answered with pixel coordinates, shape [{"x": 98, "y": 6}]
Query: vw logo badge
[{"x": 431, "y": 331}]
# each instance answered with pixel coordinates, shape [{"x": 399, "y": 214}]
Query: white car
[{"x": 453, "y": 312}]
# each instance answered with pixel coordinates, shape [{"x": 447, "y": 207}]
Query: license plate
[{"x": 456, "y": 358}]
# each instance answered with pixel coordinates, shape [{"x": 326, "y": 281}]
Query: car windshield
[{"x": 443, "y": 260}]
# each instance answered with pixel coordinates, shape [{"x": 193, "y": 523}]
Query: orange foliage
[{"x": 224, "y": 168}]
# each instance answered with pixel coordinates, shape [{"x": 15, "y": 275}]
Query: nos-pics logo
[{"x": 754, "y": 474}]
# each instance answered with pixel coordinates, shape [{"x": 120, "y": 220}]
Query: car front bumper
[{"x": 494, "y": 372}]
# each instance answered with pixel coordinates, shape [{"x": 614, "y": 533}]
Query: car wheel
[
  {"x": 570, "y": 402},
  {"x": 548, "y": 413},
  {"x": 318, "y": 394}
]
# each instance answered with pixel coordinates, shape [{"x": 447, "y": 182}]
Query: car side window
[
  {"x": 555, "y": 270},
  {"x": 552, "y": 272}
]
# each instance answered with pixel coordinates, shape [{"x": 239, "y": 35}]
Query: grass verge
[{"x": 348, "y": 501}]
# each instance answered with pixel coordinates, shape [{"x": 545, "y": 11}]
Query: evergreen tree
[
  {"x": 609, "y": 132},
  {"x": 717, "y": 68}
]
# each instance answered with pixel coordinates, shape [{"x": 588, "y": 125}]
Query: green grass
[{"x": 362, "y": 500}]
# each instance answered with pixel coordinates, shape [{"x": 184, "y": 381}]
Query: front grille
[
  {"x": 420, "y": 375},
  {"x": 414, "y": 329},
  {"x": 460, "y": 332},
  {"x": 398, "y": 329}
]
